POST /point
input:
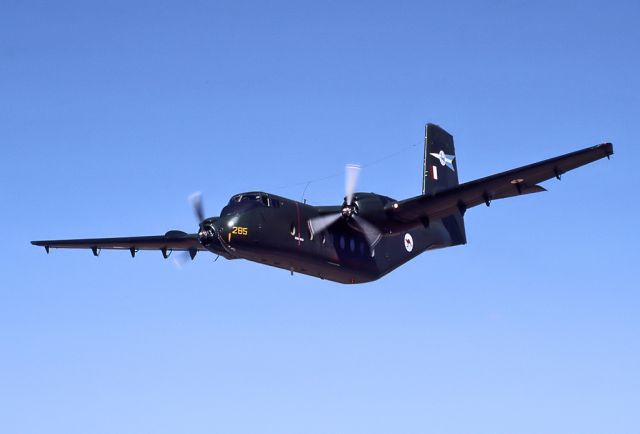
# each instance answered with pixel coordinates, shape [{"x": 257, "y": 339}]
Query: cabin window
[
  {"x": 342, "y": 244},
  {"x": 352, "y": 245},
  {"x": 361, "y": 248},
  {"x": 293, "y": 229},
  {"x": 324, "y": 239}
]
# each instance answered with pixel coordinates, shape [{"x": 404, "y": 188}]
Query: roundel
[{"x": 408, "y": 242}]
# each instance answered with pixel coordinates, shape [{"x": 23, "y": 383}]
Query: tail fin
[{"x": 440, "y": 166}]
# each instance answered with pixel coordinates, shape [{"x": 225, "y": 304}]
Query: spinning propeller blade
[
  {"x": 352, "y": 171},
  {"x": 187, "y": 256},
  {"x": 181, "y": 260},
  {"x": 371, "y": 233},
  {"x": 196, "y": 203},
  {"x": 320, "y": 223}
]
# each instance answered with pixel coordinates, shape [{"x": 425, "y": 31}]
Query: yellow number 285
[{"x": 239, "y": 230}]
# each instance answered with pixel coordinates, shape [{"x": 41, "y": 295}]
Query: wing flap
[{"x": 515, "y": 182}]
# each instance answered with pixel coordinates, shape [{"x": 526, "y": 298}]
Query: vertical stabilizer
[{"x": 439, "y": 164}]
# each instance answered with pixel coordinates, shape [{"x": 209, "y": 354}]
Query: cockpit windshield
[{"x": 250, "y": 197}]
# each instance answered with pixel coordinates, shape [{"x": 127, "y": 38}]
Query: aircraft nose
[
  {"x": 226, "y": 223},
  {"x": 227, "y": 227}
]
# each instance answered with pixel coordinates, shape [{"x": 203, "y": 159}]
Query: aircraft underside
[{"x": 345, "y": 257}]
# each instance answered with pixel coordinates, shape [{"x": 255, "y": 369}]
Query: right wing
[
  {"x": 171, "y": 241},
  {"x": 522, "y": 180}
]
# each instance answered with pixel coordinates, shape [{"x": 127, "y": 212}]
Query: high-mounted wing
[
  {"x": 172, "y": 240},
  {"x": 513, "y": 182}
]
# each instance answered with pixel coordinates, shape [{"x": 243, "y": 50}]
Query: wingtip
[
  {"x": 44, "y": 244},
  {"x": 608, "y": 148}
]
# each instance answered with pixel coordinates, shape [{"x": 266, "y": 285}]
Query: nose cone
[
  {"x": 240, "y": 225},
  {"x": 226, "y": 224}
]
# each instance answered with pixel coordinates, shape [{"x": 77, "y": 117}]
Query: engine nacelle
[{"x": 371, "y": 206}]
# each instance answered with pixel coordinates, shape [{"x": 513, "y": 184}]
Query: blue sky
[{"x": 111, "y": 113}]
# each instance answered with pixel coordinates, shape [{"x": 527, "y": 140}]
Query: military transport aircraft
[{"x": 365, "y": 237}]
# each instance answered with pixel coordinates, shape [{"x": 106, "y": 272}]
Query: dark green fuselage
[{"x": 273, "y": 230}]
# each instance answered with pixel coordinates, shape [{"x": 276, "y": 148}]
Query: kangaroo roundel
[{"x": 408, "y": 242}]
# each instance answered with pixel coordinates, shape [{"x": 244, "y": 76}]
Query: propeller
[
  {"x": 349, "y": 211},
  {"x": 184, "y": 258},
  {"x": 371, "y": 233},
  {"x": 196, "y": 202},
  {"x": 352, "y": 172},
  {"x": 204, "y": 230},
  {"x": 319, "y": 224}
]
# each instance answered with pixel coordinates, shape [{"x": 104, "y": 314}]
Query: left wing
[
  {"x": 172, "y": 240},
  {"x": 514, "y": 182}
]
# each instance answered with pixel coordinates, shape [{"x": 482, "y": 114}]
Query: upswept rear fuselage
[{"x": 273, "y": 230}]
